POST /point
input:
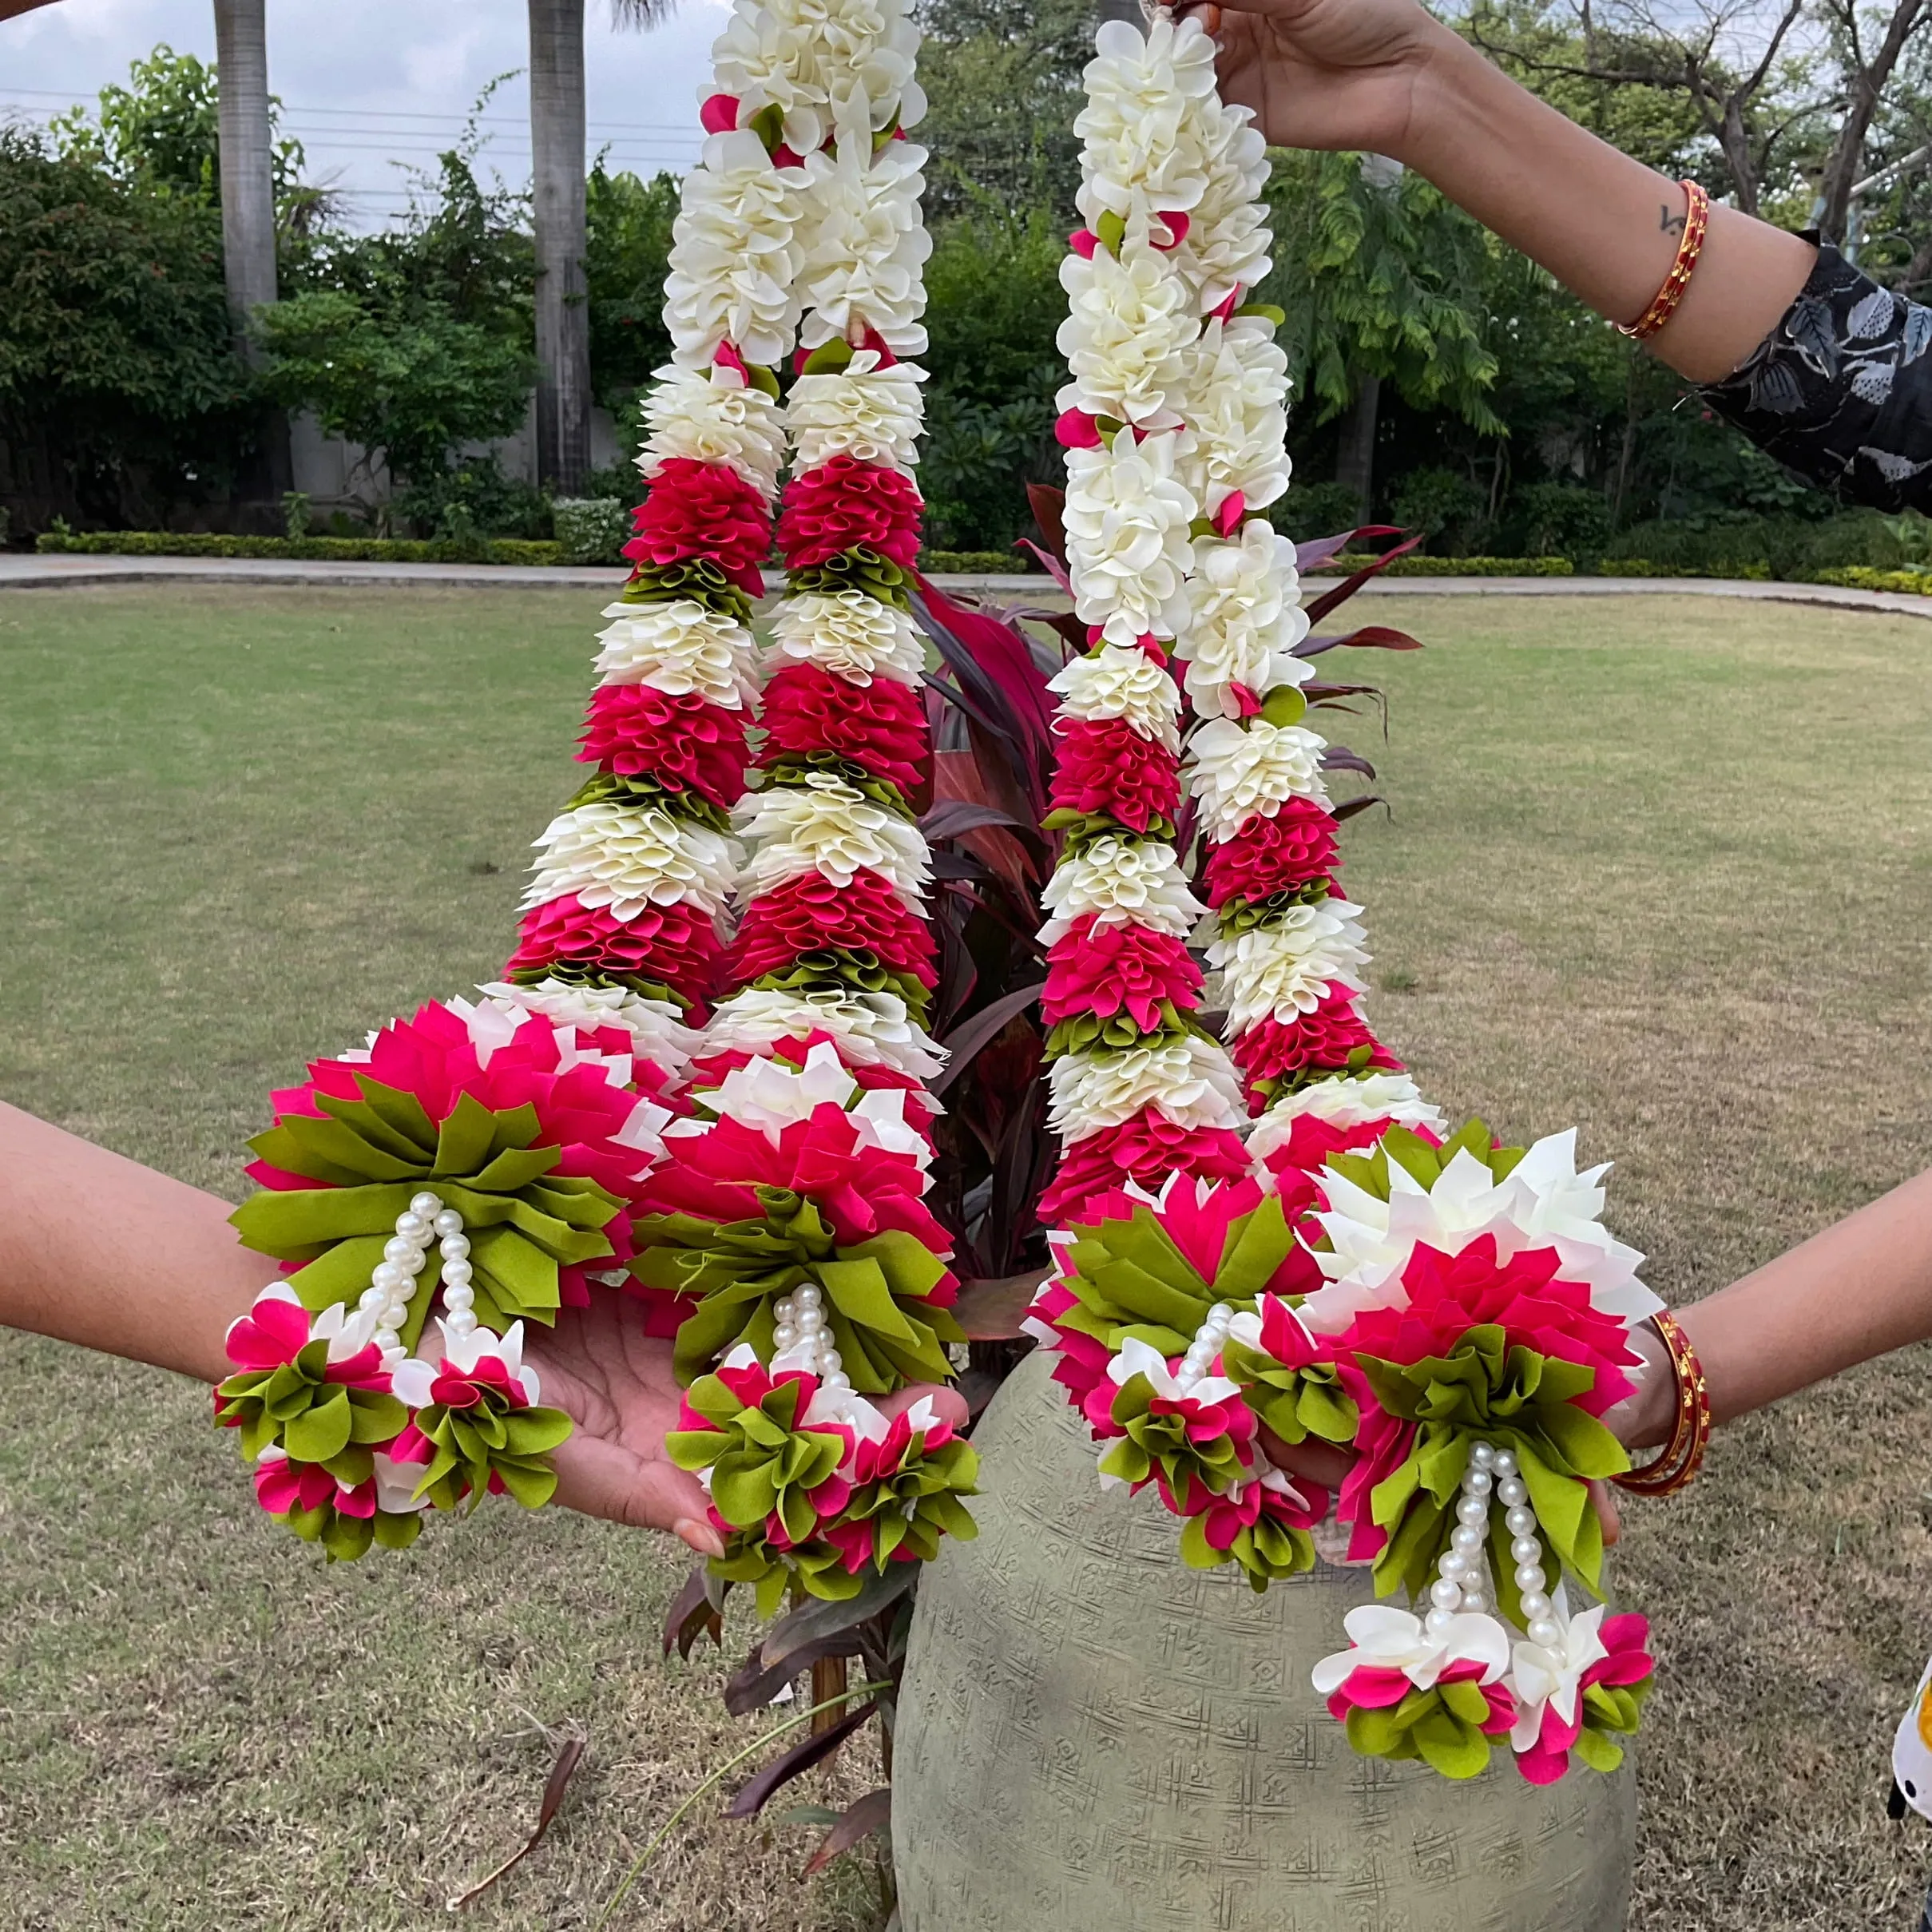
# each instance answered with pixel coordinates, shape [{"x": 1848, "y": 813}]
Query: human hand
[
  {"x": 616, "y": 1384},
  {"x": 1327, "y": 73}
]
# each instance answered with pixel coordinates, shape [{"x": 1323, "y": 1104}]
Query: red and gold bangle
[
  {"x": 1690, "y": 245},
  {"x": 1690, "y": 1426}
]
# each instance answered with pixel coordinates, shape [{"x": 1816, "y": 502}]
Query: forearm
[
  {"x": 1605, "y": 226},
  {"x": 100, "y": 1251},
  {"x": 1861, "y": 1288}
]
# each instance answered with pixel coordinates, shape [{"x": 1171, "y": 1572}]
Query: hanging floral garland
[
  {"x": 1351, "y": 1270},
  {"x": 787, "y": 1239}
]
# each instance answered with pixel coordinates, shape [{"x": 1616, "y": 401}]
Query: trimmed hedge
[
  {"x": 1914, "y": 583},
  {"x": 978, "y": 563},
  {"x": 1451, "y": 566},
  {"x": 306, "y": 550}
]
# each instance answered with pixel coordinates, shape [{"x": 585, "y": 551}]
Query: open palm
[{"x": 616, "y": 1384}]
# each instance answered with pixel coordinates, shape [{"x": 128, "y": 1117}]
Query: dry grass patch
[{"x": 1656, "y": 868}]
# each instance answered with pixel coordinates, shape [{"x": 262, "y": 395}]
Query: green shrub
[
  {"x": 1914, "y": 583},
  {"x": 1447, "y": 510},
  {"x": 1310, "y": 510},
  {"x": 1779, "y": 547},
  {"x": 591, "y": 529},
  {"x": 313, "y": 549},
  {"x": 1560, "y": 519}
]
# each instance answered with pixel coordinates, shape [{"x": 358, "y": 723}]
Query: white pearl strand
[
  {"x": 393, "y": 1285},
  {"x": 802, "y": 1332},
  {"x": 1205, "y": 1346},
  {"x": 1493, "y": 1478}
]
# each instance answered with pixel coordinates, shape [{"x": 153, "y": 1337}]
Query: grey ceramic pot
[{"x": 1094, "y": 1738}]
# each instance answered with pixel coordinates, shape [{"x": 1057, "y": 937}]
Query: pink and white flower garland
[{"x": 1175, "y": 424}]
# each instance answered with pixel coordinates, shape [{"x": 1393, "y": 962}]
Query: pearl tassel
[
  {"x": 1493, "y": 1478},
  {"x": 397, "y": 1276},
  {"x": 801, "y": 1333},
  {"x": 1205, "y": 1347}
]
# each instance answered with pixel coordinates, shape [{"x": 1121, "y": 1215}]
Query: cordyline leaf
[
  {"x": 696, "y": 1612},
  {"x": 872, "y": 1813},
  {"x": 1048, "y": 505},
  {"x": 1339, "y": 758},
  {"x": 753, "y": 1796},
  {"x": 1370, "y": 636},
  {"x": 1349, "y": 585},
  {"x": 1317, "y": 550},
  {"x": 950, "y": 817},
  {"x": 811, "y": 1622},
  {"x": 753, "y": 1683},
  {"x": 1349, "y": 807},
  {"x": 554, "y": 1787},
  {"x": 1002, "y": 657},
  {"x": 984, "y": 1027},
  {"x": 1048, "y": 562}
]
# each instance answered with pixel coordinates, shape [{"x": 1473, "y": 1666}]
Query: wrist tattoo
[{"x": 1668, "y": 223}]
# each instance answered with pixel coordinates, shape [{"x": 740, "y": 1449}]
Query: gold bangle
[
  {"x": 1690, "y": 1434},
  {"x": 1690, "y": 245}
]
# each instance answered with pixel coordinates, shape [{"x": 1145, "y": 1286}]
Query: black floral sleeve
[{"x": 1840, "y": 391}]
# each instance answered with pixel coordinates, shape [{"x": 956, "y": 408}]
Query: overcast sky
[{"x": 367, "y": 83}]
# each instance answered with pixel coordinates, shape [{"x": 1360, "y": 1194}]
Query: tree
[
  {"x": 120, "y": 392},
  {"x": 415, "y": 342},
  {"x": 1376, "y": 274},
  {"x": 558, "y": 221},
  {"x": 628, "y": 225}
]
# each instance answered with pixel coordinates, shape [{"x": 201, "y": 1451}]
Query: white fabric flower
[
  {"x": 852, "y": 636},
  {"x": 871, "y": 1029},
  {"x": 1234, "y": 396},
  {"x": 769, "y": 1094},
  {"x": 677, "y": 646},
  {"x": 1141, "y": 128},
  {"x": 1346, "y": 1102},
  {"x": 801, "y": 56},
  {"x": 864, "y": 245},
  {"x": 1121, "y": 681},
  {"x": 735, "y": 258},
  {"x": 1226, "y": 247},
  {"x": 1553, "y": 1206},
  {"x": 713, "y": 416},
  {"x": 1191, "y": 1081},
  {"x": 1129, "y": 327},
  {"x": 628, "y": 857},
  {"x": 872, "y": 415},
  {"x": 1542, "y": 1678},
  {"x": 1244, "y": 620},
  {"x": 1123, "y": 881},
  {"x": 1239, "y": 771},
  {"x": 828, "y": 826},
  {"x": 1382, "y": 1637},
  {"x": 414, "y": 1379},
  {"x": 1126, "y": 519},
  {"x": 657, "y": 1034},
  {"x": 1287, "y": 968}
]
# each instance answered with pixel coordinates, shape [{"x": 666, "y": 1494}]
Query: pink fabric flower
[
  {"x": 578, "y": 1110},
  {"x": 1106, "y": 765},
  {"x": 275, "y": 1331},
  {"x": 1272, "y": 855},
  {"x": 1300, "y": 1507},
  {"x": 809, "y": 913},
  {"x": 1626, "y": 1640},
  {"x": 697, "y": 510},
  {"x": 1147, "y": 1148},
  {"x": 862, "y": 1191},
  {"x": 1117, "y": 968},
  {"x": 880, "y": 725},
  {"x": 675, "y": 945},
  {"x": 1320, "y": 1042},
  {"x": 845, "y": 503},
  {"x": 683, "y": 740}
]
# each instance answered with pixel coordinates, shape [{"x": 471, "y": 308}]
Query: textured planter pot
[{"x": 1094, "y": 1738}]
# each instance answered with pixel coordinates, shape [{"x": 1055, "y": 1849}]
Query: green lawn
[{"x": 1656, "y": 868}]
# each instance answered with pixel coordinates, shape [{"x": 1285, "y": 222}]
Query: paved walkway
[{"x": 20, "y": 571}]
